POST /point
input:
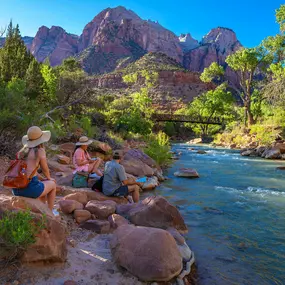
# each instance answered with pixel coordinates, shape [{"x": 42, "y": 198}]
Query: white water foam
[{"x": 261, "y": 192}]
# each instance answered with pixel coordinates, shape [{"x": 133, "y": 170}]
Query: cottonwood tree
[{"x": 246, "y": 63}]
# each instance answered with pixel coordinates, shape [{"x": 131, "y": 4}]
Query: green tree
[
  {"x": 50, "y": 83},
  {"x": 280, "y": 17},
  {"x": 214, "y": 103},
  {"x": 34, "y": 80},
  {"x": 14, "y": 57}
]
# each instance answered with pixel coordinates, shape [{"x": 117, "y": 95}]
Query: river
[{"x": 235, "y": 213}]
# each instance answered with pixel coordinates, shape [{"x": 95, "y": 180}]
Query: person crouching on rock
[
  {"x": 83, "y": 161},
  {"x": 35, "y": 155},
  {"x": 115, "y": 182}
]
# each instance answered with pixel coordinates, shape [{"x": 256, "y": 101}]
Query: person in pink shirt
[{"x": 83, "y": 161}]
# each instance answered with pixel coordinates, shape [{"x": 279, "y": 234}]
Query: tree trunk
[{"x": 249, "y": 116}]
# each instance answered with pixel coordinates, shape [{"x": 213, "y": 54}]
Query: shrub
[
  {"x": 264, "y": 134},
  {"x": 18, "y": 230},
  {"x": 158, "y": 148}
]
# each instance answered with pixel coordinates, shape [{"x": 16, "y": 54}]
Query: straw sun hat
[
  {"x": 84, "y": 141},
  {"x": 35, "y": 136}
]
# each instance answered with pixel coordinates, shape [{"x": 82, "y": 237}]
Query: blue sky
[{"x": 252, "y": 20}]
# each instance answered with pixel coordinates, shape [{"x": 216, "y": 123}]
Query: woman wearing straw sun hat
[
  {"x": 83, "y": 161},
  {"x": 35, "y": 155}
]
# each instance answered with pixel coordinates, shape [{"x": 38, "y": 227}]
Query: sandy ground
[{"x": 89, "y": 262}]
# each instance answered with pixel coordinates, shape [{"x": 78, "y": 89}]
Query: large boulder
[
  {"x": 55, "y": 166},
  {"x": 91, "y": 195},
  {"x": 63, "y": 159},
  {"x": 67, "y": 149},
  {"x": 137, "y": 168},
  {"x": 187, "y": 173},
  {"x": 68, "y": 206},
  {"x": 80, "y": 197},
  {"x": 281, "y": 147},
  {"x": 272, "y": 153},
  {"x": 17, "y": 202},
  {"x": 101, "y": 147},
  {"x": 101, "y": 209},
  {"x": 148, "y": 253},
  {"x": 81, "y": 216},
  {"x": 50, "y": 245},
  {"x": 97, "y": 226},
  {"x": 116, "y": 221},
  {"x": 157, "y": 212},
  {"x": 137, "y": 154}
]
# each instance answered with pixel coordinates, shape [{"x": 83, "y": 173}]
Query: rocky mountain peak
[
  {"x": 54, "y": 43},
  {"x": 119, "y": 13},
  {"x": 223, "y": 38},
  {"x": 187, "y": 42}
]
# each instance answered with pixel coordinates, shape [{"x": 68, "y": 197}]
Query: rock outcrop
[
  {"x": 148, "y": 253},
  {"x": 119, "y": 33},
  {"x": 215, "y": 47},
  {"x": 187, "y": 42},
  {"x": 55, "y": 44},
  {"x": 187, "y": 173},
  {"x": 154, "y": 212},
  {"x": 50, "y": 245}
]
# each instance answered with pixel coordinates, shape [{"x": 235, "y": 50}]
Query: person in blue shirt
[{"x": 115, "y": 182}]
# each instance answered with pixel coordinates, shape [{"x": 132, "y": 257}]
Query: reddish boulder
[
  {"x": 97, "y": 226},
  {"x": 81, "y": 216},
  {"x": 100, "y": 147},
  {"x": 151, "y": 255},
  {"x": 157, "y": 212},
  {"x": 18, "y": 202},
  {"x": 137, "y": 154},
  {"x": 281, "y": 147},
  {"x": 68, "y": 206},
  {"x": 101, "y": 197},
  {"x": 187, "y": 173},
  {"x": 50, "y": 245},
  {"x": 80, "y": 197},
  {"x": 117, "y": 221},
  {"x": 62, "y": 159},
  {"x": 137, "y": 167},
  {"x": 102, "y": 209}
]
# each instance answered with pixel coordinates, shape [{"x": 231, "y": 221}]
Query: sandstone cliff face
[
  {"x": 117, "y": 37},
  {"x": 215, "y": 47},
  {"x": 55, "y": 44},
  {"x": 173, "y": 87},
  {"x": 121, "y": 33},
  {"x": 187, "y": 42}
]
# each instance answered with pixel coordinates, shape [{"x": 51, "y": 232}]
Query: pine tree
[
  {"x": 34, "y": 79},
  {"x": 14, "y": 57}
]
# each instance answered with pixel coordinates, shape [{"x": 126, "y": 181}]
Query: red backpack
[{"x": 16, "y": 175}]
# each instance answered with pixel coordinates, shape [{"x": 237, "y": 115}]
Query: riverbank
[
  {"x": 235, "y": 211},
  {"x": 92, "y": 224}
]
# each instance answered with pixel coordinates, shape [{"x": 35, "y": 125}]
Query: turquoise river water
[{"x": 235, "y": 213}]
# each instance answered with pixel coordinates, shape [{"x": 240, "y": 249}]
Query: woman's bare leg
[
  {"x": 93, "y": 167},
  {"x": 43, "y": 199},
  {"x": 135, "y": 191},
  {"x": 50, "y": 192}
]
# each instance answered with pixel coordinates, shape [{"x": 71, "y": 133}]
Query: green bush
[
  {"x": 158, "y": 148},
  {"x": 18, "y": 230},
  {"x": 265, "y": 134}
]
